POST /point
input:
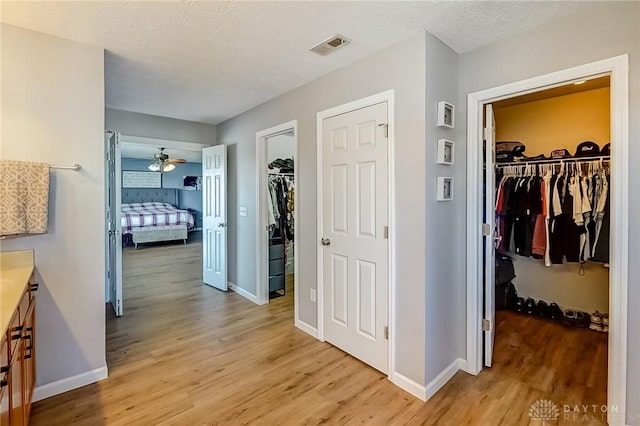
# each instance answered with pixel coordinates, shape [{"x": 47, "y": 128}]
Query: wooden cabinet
[{"x": 17, "y": 362}]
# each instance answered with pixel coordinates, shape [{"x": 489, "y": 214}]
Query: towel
[{"x": 24, "y": 197}]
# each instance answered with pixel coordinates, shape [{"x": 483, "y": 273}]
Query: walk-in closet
[
  {"x": 552, "y": 202},
  {"x": 280, "y": 213}
]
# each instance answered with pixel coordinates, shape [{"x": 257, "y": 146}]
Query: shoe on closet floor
[
  {"x": 583, "y": 319},
  {"x": 519, "y": 307},
  {"x": 596, "y": 321},
  {"x": 569, "y": 317},
  {"x": 555, "y": 313},
  {"x": 542, "y": 309},
  {"x": 530, "y": 306},
  {"x": 605, "y": 320}
]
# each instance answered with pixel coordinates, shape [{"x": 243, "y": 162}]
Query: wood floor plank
[{"x": 188, "y": 354}]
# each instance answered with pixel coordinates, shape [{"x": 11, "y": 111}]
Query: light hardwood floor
[{"x": 187, "y": 354}]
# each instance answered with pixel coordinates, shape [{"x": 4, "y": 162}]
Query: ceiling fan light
[
  {"x": 168, "y": 167},
  {"x": 154, "y": 167}
]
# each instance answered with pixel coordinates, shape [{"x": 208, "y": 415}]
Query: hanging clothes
[
  {"x": 281, "y": 206},
  {"x": 563, "y": 216}
]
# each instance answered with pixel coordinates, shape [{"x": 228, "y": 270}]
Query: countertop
[{"x": 16, "y": 268}]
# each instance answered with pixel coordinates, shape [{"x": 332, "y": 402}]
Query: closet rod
[
  {"x": 76, "y": 167},
  {"x": 281, "y": 174},
  {"x": 554, "y": 161}
]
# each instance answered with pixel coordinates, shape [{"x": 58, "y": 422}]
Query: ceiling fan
[{"x": 162, "y": 163}]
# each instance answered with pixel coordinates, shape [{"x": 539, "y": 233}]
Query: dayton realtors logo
[{"x": 544, "y": 410}]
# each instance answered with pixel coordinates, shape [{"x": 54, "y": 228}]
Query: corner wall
[
  {"x": 613, "y": 30},
  {"x": 444, "y": 222},
  {"x": 53, "y": 112},
  {"x": 400, "y": 67}
]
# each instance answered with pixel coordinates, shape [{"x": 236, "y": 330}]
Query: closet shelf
[{"x": 555, "y": 161}]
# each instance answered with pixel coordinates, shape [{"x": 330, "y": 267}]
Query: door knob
[
  {"x": 222, "y": 225},
  {"x": 325, "y": 242}
]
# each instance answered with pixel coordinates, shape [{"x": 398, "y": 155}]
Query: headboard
[{"x": 145, "y": 195}]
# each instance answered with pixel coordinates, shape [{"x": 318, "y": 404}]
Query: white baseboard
[
  {"x": 244, "y": 293},
  {"x": 444, "y": 376},
  {"x": 70, "y": 383},
  {"x": 306, "y": 328},
  {"x": 414, "y": 388}
]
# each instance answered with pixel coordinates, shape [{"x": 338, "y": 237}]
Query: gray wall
[
  {"x": 153, "y": 126},
  {"x": 53, "y": 112},
  {"x": 611, "y": 31},
  {"x": 444, "y": 221},
  {"x": 400, "y": 67},
  {"x": 188, "y": 199}
]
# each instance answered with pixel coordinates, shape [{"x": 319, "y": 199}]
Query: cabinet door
[
  {"x": 29, "y": 359},
  {"x": 15, "y": 386},
  {"x": 4, "y": 382}
]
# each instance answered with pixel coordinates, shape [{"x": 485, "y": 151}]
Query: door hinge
[
  {"x": 486, "y": 229},
  {"x": 386, "y": 233},
  {"x": 486, "y": 325},
  {"x": 386, "y": 332},
  {"x": 386, "y": 129}
]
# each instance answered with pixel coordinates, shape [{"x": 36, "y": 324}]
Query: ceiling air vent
[{"x": 330, "y": 45}]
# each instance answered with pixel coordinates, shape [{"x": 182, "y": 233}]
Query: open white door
[
  {"x": 114, "y": 227},
  {"x": 354, "y": 244},
  {"x": 489, "y": 326},
  {"x": 214, "y": 216}
]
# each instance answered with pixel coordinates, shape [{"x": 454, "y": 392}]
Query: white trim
[
  {"x": 445, "y": 375},
  {"x": 262, "y": 256},
  {"x": 618, "y": 69},
  {"x": 70, "y": 383},
  {"x": 388, "y": 97},
  {"x": 244, "y": 293},
  {"x": 306, "y": 328},
  {"x": 414, "y": 388},
  {"x": 167, "y": 143}
]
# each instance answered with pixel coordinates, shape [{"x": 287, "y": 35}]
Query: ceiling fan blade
[{"x": 176, "y": 160}]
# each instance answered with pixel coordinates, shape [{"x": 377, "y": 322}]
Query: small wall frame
[
  {"x": 444, "y": 190},
  {"x": 445, "y": 151},
  {"x": 446, "y": 113}
]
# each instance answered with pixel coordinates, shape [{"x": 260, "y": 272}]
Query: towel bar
[{"x": 76, "y": 167}]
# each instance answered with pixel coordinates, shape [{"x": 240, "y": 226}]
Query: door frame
[
  {"x": 618, "y": 69},
  {"x": 262, "y": 249},
  {"x": 388, "y": 97}
]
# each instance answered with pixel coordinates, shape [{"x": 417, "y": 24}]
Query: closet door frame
[
  {"x": 262, "y": 253},
  {"x": 618, "y": 69}
]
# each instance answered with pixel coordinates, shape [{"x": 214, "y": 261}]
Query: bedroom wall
[
  {"x": 52, "y": 110},
  {"x": 612, "y": 30},
  {"x": 188, "y": 199},
  {"x": 153, "y": 126}
]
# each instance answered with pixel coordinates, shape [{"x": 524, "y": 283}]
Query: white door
[
  {"x": 114, "y": 227},
  {"x": 214, "y": 216},
  {"x": 355, "y": 244},
  {"x": 489, "y": 246}
]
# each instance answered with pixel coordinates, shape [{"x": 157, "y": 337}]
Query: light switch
[{"x": 244, "y": 211}]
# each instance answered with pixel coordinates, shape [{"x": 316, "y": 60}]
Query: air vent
[{"x": 330, "y": 45}]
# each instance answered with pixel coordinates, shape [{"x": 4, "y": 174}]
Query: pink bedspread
[{"x": 151, "y": 214}]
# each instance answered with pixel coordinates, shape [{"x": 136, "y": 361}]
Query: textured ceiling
[{"x": 211, "y": 60}]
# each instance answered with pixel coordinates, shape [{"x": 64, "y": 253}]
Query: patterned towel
[{"x": 24, "y": 197}]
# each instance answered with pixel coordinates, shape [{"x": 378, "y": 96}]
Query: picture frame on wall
[
  {"x": 445, "y": 152},
  {"x": 446, "y": 114},
  {"x": 444, "y": 191}
]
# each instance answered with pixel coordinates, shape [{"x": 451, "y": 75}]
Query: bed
[{"x": 155, "y": 221}]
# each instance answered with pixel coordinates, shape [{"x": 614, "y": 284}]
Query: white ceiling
[{"x": 211, "y": 60}]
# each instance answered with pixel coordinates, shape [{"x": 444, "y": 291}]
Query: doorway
[
  {"x": 277, "y": 216},
  {"x": 480, "y": 322}
]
